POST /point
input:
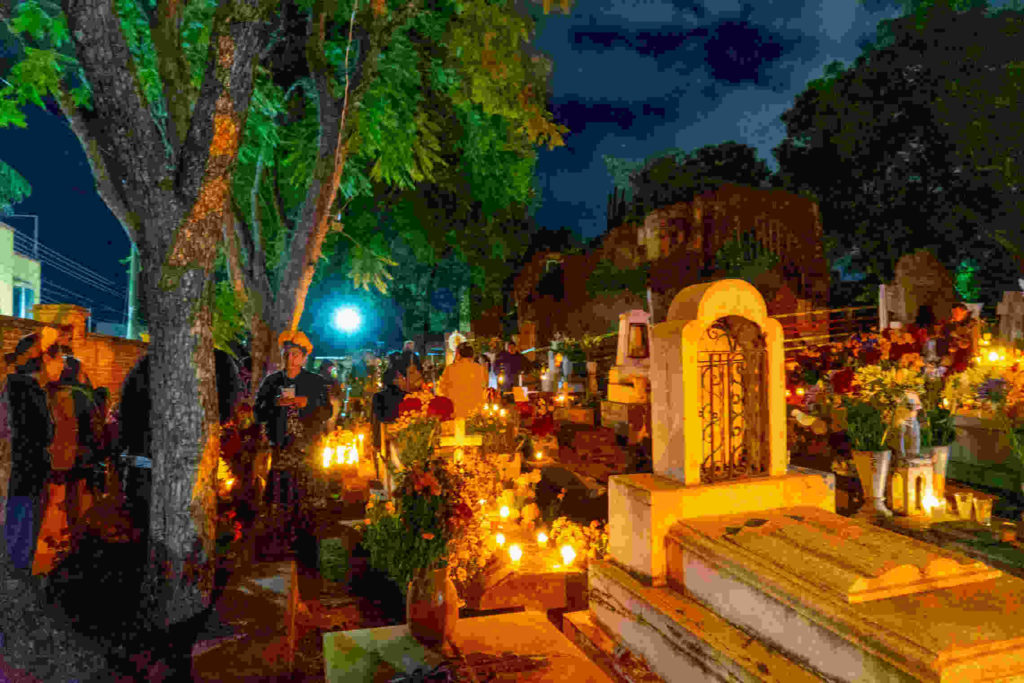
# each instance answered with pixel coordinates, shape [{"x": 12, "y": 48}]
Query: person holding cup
[{"x": 294, "y": 407}]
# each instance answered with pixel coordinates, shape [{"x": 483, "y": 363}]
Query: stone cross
[{"x": 461, "y": 439}]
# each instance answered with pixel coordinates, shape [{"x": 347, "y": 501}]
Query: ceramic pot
[
  {"x": 431, "y": 607},
  {"x": 873, "y": 470},
  {"x": 940, "y": 458}
]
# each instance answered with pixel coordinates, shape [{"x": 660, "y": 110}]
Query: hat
[
  {"x": 32, "y": 346},
  {"x": 294, "y": 338}
]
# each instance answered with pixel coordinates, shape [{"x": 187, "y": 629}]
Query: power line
[{"x": 69, "y": 266}]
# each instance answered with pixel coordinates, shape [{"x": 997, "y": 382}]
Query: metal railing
[{"x": 823, "y": 326}]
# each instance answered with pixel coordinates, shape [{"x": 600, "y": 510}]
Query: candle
[
  {"x": 542, "y": 539},
  {"x": 499, "y": 538},
  {"x": 539, "y": 455}
]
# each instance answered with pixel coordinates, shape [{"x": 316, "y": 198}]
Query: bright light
[
  {"x": 347, "y": 319},
  {"x": 499, "y": 538},
  {"x": 327, "y": 455},
  {"x": 993, "y": 356},
  {"x": 542, "y": 538},
  {"x": 515, "y": 553},
  {"x": 504, "y": 512},
  {"x": 229, "y": 483},
  {"x": 539, "y": 455},
  {"x": 568, "y": 555}
]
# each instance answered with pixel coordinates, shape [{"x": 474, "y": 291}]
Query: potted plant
[
  {"x": 410, "y": 537},
  {"x": 867, "y": 430}
]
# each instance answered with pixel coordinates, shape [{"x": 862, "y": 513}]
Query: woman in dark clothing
[{"x": 37, "y": 362}]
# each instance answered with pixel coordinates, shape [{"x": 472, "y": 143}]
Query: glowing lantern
[
  {"x": 499, "y": 538},
  {"x": 568, "y": 555},
  {"x": 542, "y": 539},
  {"x": 515, "y": 553}
]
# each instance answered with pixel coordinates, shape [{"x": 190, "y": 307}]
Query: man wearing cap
[{"x": 294, "y": 407}]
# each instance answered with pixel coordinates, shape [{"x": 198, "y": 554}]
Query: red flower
[
  {"x": 440, "y": 407},
  {"x": 870, "y": 356},
  {"x": 842, "y": 381},
  {"x": 525, "y": 410},
  {"x": 543, "y": 425},
  {"x": 409, "y": 405},
  {"x": 427, "y": 535}
]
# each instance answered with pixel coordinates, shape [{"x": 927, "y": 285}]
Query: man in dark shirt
[
  {"x": 509, "y": 364},
  {"x": 294, "y": 406}
]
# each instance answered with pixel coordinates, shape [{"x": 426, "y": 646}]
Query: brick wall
[{"x": 107, "y": 360}]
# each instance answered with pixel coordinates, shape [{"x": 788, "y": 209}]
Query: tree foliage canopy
[{"x": 916, "y": 144}]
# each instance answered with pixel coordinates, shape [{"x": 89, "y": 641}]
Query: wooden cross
[{"x": 461, "y": 439}]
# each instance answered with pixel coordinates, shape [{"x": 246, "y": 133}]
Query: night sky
[{"x": 631, "y": 79}]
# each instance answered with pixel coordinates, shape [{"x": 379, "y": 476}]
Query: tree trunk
[{"x": 185, "y": 444}]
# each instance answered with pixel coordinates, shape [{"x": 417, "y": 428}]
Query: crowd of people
[{"x": 70, "y": 448}]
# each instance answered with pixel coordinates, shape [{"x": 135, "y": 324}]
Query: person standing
[
  {"x": 37, "y": 362},
  {"x": 294, "y": 406},
  {"x": 464, "y": 382},
  {"x": 508, "y": 365},
  {"x": 410, "y": 367}
]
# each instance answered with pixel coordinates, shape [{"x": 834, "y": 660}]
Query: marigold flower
[
  {"x": 366, "y": 521},
  {"x": 427, "y": 535}
]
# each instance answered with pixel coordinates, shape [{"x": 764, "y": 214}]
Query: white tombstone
[
  {"x": 892, "y": 305},
  {"x": 634, "y": 344},
  {"x": 1011, "y": 316}
]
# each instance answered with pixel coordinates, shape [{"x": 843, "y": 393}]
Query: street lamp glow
[{"x": 347, "y": 319}]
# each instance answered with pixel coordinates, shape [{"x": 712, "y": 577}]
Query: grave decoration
[{"x": 724, "y": 543}]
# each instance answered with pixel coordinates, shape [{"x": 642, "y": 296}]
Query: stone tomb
[{"x": 726, "y": 564}]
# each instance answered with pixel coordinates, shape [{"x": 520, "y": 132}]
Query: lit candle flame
[
  {"x": 542, "y": 538},
  {"x": 504, "y": 512},
  {"x": 229, "y": 483},
  {"x": 539, "y": 455},
  {"x": 568, "y": 555},
  {"x": 499, "y": 538},
  {"x": 483, "y": 502},
  {"x": 515, "y": 553},
  {"x": 993, "y": 356}
]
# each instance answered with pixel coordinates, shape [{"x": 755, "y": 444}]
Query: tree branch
[
  {"x": 134, "y": 148},
  {"x": 179, "y": 93},
  {"x": 109, "y": 192},
  {"x": 218, "y": 118}
]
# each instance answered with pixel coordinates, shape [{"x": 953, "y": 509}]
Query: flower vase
[
  {"x": 431, "y": 607},
  {"x": 873, "y": 470},
  {"x": 940, "y": 457}
]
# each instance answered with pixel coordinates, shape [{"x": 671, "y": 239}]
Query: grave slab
[
  {"x": 934, "y": 616},
  {"x": 377, "y": 654}
]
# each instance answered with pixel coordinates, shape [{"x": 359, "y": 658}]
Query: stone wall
[{"x": 107, "y": 360}]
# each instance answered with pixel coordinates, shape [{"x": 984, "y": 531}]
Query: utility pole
[{"x": 133, "y": 284}]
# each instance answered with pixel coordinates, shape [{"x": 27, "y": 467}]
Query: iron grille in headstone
[{"x": 734, "y": 405}]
